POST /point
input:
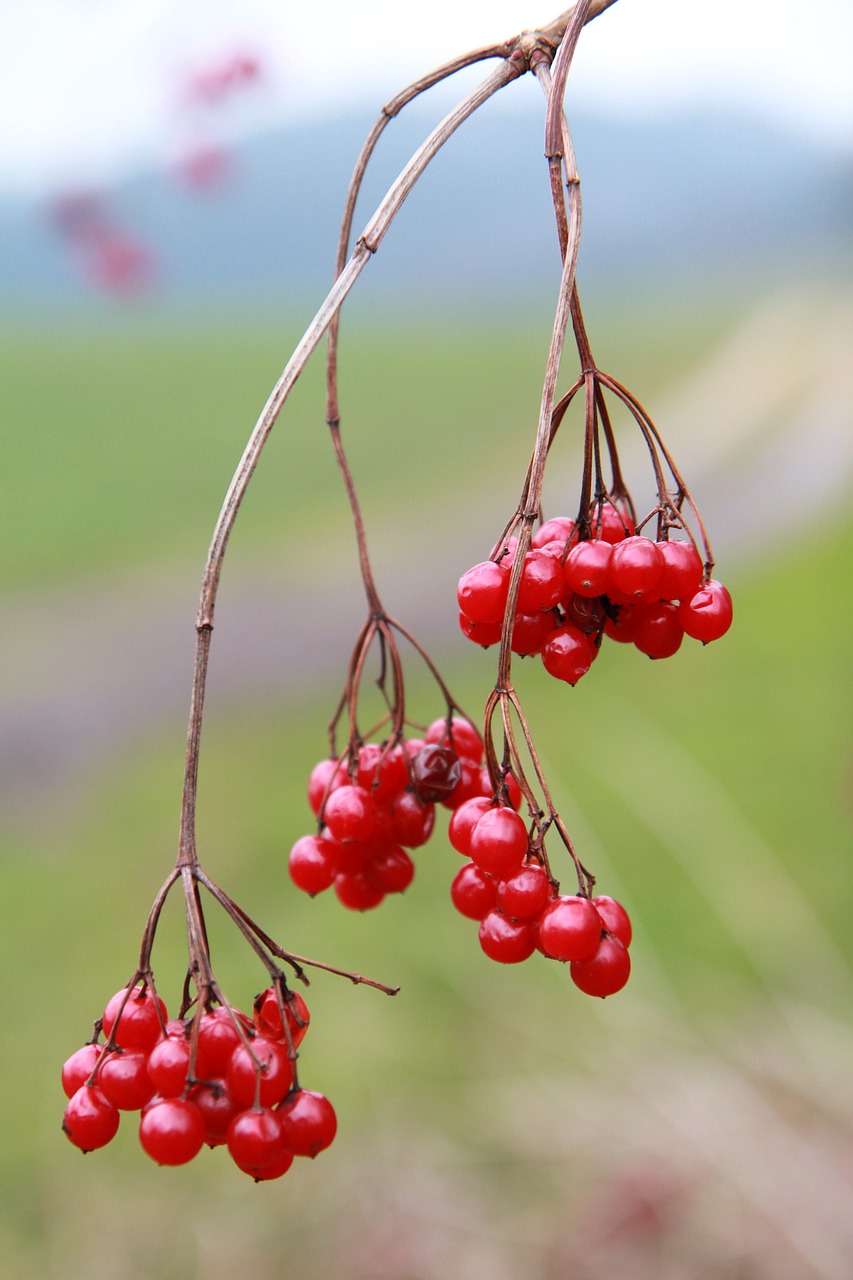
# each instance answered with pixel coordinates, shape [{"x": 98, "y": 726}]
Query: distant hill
[{"x": 699, "y": 196}]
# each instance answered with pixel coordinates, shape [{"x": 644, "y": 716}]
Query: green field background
[{"x": 494, "y": 1122}]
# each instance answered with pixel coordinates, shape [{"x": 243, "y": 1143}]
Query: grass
[{"x": 711, "y": 793}]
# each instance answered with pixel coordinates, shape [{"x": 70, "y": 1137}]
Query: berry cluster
[
  {"x": 378, "y": 802},
  {"x": 219, "y": 1078},
  {"x": 520, "y": 909},
  {"x": 573, "y": 591}
]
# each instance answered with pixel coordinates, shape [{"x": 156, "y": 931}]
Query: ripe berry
[
  {"x": 391, "y": 870},
  {"x": 123, "y": 1079},
  {"x": 636, "y": 568},
  {"x": 473, "y": 893},
  {"x": 658, "y": 633},
  {"x": 482, "y": 592},
  {"x": 506, "y": 941},
  {"x": 570, "y": 928},
  {"x": 482, "y": 633},
  {"x": 172, "y": 1131},
  {"x": 272, "y": 1078},
  {"x": 568, "y": 655},
  {"x": 356, "y": 891},
  {"x": 217, "y": 1040},
  {"x": 585, "y": 570},
  {"x": 409, "y": 820},
  {"x": 308, "y": 1123},
  {"x": 218, "y": 1108},
  {"x": 531, "y": 632},
  {"x": 614, "y": 918},
  {"x": 168, "y": 1063},
  {"x": 541, "y": 582},
  {"x": 707, "y": 615},
  {"x": 267, "y": 1016},
  {"x": 324, "y": 777},
  {"x": 463, "y": 822},
  {"x": 255, "y": 1140},
  {"x": 499, "y": 842},
  {"x": 350, "y": 814},
  {"x": 461, "y": 737},
  {"x": 313, "y": 863},
  {"x": 382, "y": 772},
  {"x": 77, "y": 1069},
  {"x": 606, "y": 971},
  {"x": 524, "y": 895},
  {"x": 682, "y": 570},
  {"x": 90, "y": 1121},
  {"x": 558, "y": 529},
  {"x": 138, "y": 1025},
  {"x": 610, "y": 523}
]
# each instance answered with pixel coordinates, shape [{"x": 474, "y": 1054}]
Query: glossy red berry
[
  {"x": 506, "y": 941},
  {"x": 90, "y": 1121},
  {"x": 135, "y": 1021},
  {"x": 324, "y": 777},
  {"x": 463, "y": 822},
  {"x": 568, "y": 655},
  {"x": 217, "y": 1040},
  {"x": 610, "y": 523},
  {"x": 436, "y": 772},
  {"x": 273, "y": 1075},
  {"x": 382, "y": 771},
  {"x": 614, "y": 918},
  {"x": 313, "y": 863},
  {"x": 77, "y": 1069},
  {"x": 499, "y": 842},
  {"x": 218, "y": 1108},
  {"x": 308, "y": 1123},
  {"x": 409, "y": 820},
  {"x": 391, "y": 870},
  {"x": 482, "y": 592},
  {"x": 531, "y": 632},
  {"x": 586, "y": 567},
  {"x": 559, "y": 529},
  {"x": 541, "y": 582},
  {"x": 254, "y": 1140},
  {"x": 355, "y": 891},
  {"x": 658, "y": 632},
  {"x": 460, "y": 736},
  {"x": 707, "y": 615},
  {"x": 123, "y": 1079},
  {"x": 682, "y": 570},
  {"x": 636, "y": 568},
  {"x": 473, "y": 893},
  {"x": 484, "y": 634},
  {"x": 172, "y": 1131},
  {"x": 525, "y": 895},
  {"x": 268, "y": 1020},
  {"x": 623, "y": 627},
  {"x": 605, "y": 972},
  {"x": 350, "y": 814},
  {"x": 570, "y": 928},
  {"x": 167, "y": 1066}
]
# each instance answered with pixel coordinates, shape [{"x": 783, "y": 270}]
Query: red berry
[
  {"x": 570, "y": 928},
  {"x": 506, "y": 941},
  {"x": 461, "y": 737},
  {"x": 123, "y": 1079},
  {"x": 356, "y": 892},
  {"x": 350, "y": 814},
  {"x": 382, "y": 771},
  {"x": 139, "y": 1024},
  {"x": 77, "y": 1069},
  {"x": 624, "y": 626},
  {"x": 658, "y": 633},
  {"x": 682, "y": 570},
  {"x": 409, "y": 820},
  {"x": 308, "y": 1123},
  {"x": 90, "y": 1121},
  {"x": 499, "y": 842},
  {"x": 614, "y": 917},
  {"x": 605, "y": 972},
  {"x": 391, "y": 870},
  {"x": 324, "y": 777},
  {"x": 473, "y": 893},
  {"x": 568, "y": 655},
  {"x": 531, "y": 632},
  {"x": 436, "y": 772},
  {"x": 267, "y": 1016},
  {"x": 172, "y": 1131},
  {"x": 509, "y": 792},
  {"x": 463, "y": 821},
  {"x": 482, "y": 633},
  {"x": 254, "y": 1140},
  {"x": 586, "y": 567},
  {"x": 272, "y": 1077},
  {"x": 558, "y": 529},
  {"x": 277, "y": 1167},
  {"x": 610, "y": 523},
  {"x": 217, "y": 1040},
  {"x": 482, "y": 591},
  {"x": 636, "y": 568},
  {"x": 707, "y": 615},
  {"x": 541, "y": 582},
  {"x": 525, "y": 895},
  {"x": 313, "y": 863},
  {"x": 168, "y": 1063},
  {"x": 218, "y": 1108}
]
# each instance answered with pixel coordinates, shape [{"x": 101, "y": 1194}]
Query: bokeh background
[{"x": 171, "y": 186}]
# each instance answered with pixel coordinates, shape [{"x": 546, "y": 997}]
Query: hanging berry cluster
[{"x": 217, "y": 1076}]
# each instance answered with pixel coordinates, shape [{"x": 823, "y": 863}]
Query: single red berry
[
  {"x": 172, "y": 1131},
  {"x": 658, "y": 633},
  {"x": 559, "y": 529},
  {"x": 568, "y": 655},
  {"x": 506, "y": 941},
  {"x": 383, "y": 771},
  {"x": 313, "y": 863},
  {"x": 463, "y": 821},
  {"x": 90, "y": 1121},
  {"x": 436, "y": 772},
  {"x": 541, "y": 582},
  {"x": 218, "y": 1108},
  {"x": 707, "y": 615},
  {"x": 614, "y": 917},
  {"x": 277, "y": 1167},
  {"x": 526, "y": 894},
  {"x": 356, "y": 892},
  {"x": 570, "y": 928},
  {"x": 682, "y": 570},
  {"x": 123, "y": 1079},
  {"x": 272, "y": 1074},
  {"x": 324, "y": 778},
  {"x": 134, "y": 1020},
  {"x": 409, "y": 820},
  {"x": 585, "y": 570},
  {"x": 391, "y": 870},
  {"x": 473, "y": 893},
  {"x": 217, "y": 1040},
  {"x": 254, "y": 1140},
  {"x": 482, "y": 591},
  {"x": 624, "y": 626},
  {"x": 308, "y": 1123},
  {"x": 531, "y": 632},
  {"x": 499, "y": 842},
  {"x": 77, "y": 1069},
  {"x": 605, "y": 972},
  {"x": 636, "y": 568},
  {"x": 586, "y": 613},
  {"x": 350, "y": 814},
  {"x": 268, "y": 1021},
  {"x": 467, "y": 788},
  {"x": 610, "y": 523},
  {"x": 168, "y": 1064},
  {"x": 460, "y": 736},
  {"x": 482, "y": 633}
]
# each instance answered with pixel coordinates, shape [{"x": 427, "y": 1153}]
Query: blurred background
[{"x": 170, "y": 187}]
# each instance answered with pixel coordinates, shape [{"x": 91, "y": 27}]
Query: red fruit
[
  {"x": 90, "y": 1121},
  {"x": 382, "y": 771},
  {"x": 356, "y": 892},
  {"x": 217, "y": 1040},
  {"x": 324, "y": 777},
  {"x": 136, "y": 1019},
  {"x": 506, "y": 941},
  {"x": 587, "y": 614},
  {"x": 123, "y": 1079},
  {"x": 610, "y": 523},
  {"x": 218, "y": 1109},
  {"x": 272, "y": 1077},
  {"x": 708, "y": 614},
  {"x": 313, "y": 863},
  {"x": 570, "y": 928},
  {"x": 267, "y": 1016},
  {"x": 463, "y": 821},
  {"x": 409, "y": 820},
  {"x": 682, "y": 570},
  {"x": 254, "y": 1140},
  {"x": 531, "y": 632},
  {"x": 636, "y": 568},
  {"x": 585, "y": 570},
  {"x": 77, "y": 1069},
  {"x": 461, "y": 737},
  {"x": 541, "y": 582},
  {"x": 308, "y": 1123},
  {"x": 350, "y": 814},
  {"x": 568, "y": 655},
  {"x": 658, "y": 633},
  {"x": 558, "y": 529},
  {"x": 467, "y": 788},
  {"x": 276, "y": 1168},
  {"x": 392, "y": 870},
  {"x": 482, "y": 591},
  {"x": 499, "y": 842},
  {"x": 509, "y": 791},
  {"x": 482, "y": 633},
  {"x": 436, "y": 772},
  {"x": 525, "y": 895},
  {"x": 614, "y": 917},
  {"x": 605, "y": 972},
  {"x": 624, "y": 626},
  {"x": 172, "y": 1131},
  {"x": 473, "y": 893},
  {"x": 168, "y": 1063}
]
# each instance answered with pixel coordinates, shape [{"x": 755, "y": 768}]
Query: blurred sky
[{"x": 91, "y": 89}]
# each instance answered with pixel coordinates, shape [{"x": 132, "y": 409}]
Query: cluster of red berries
[
  {"x": 235, "y": 1086},
  {"x": 574, "y": 591},
  {"x": 520, "y": 910},
  {"x": 378, "y": 802}
]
